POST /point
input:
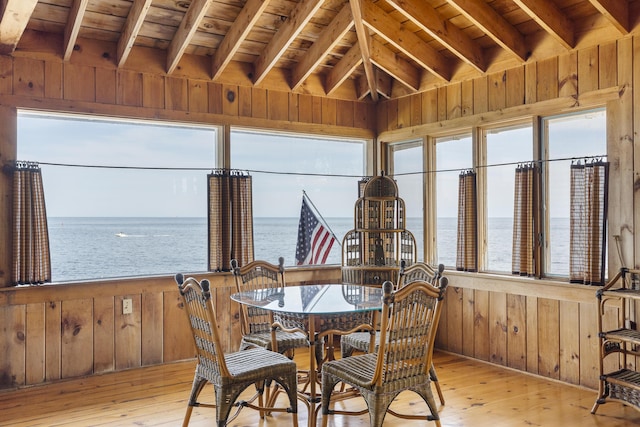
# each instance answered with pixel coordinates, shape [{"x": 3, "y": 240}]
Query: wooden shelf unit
[{"x": 623, "y": 340}]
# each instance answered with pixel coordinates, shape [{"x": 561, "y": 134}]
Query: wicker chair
[
  {"x": 410, "y": 318},
  {"x": 360, "y": 341},
  {"x": 230, "y": 373},
  {"x": 255, "y": 322}
]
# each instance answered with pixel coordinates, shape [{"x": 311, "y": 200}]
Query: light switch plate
[{"x": 127, "y": 306}]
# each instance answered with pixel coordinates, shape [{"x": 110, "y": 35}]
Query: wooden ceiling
[{"x": 369, "y": 49}]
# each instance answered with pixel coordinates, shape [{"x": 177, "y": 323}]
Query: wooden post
[{"x": 8, "y": 153}]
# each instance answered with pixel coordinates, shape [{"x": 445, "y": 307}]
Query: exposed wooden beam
[
  {"x": 364, "y": 41},
  {"x": 547, "y": 14},
  {"x": 187, "y": 28},
  {"x": 299, "y": 17},
  {"x": 406, "y": 41},
  {"x": 384, "y": 83},
  {"x": 76, "y": 14},
  {"x": 616, "y": 11},
  {"x": 15, "y": 16},
  {"x": 250, "y": 13},
  {"x": 430, "y": 21},
  {"x": 398, "y": 68},
  {"x": 330, "y": 36},
  {"x": 131, "y": 28},
  {"x": 343, "y": 69},
  {"x": 362, "y": 88},
  {"x": 494, "y": 26}
]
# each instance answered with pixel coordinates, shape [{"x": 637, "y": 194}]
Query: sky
[
  {"x": 276, "y": 164},
  {"x": 279, "y": 164}
]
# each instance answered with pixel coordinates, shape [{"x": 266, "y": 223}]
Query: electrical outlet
[{"x": 127, "y": 306}]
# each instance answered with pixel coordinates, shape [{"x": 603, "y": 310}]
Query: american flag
[{"x": 314, "y": 239}]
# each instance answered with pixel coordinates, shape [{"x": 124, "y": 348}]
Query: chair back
[
  {"x": 419, "y": 271},
  {"x": 258, "y": 276},
  {"x": 410, "y": 317},
  {"x": 204, "y": 329}
]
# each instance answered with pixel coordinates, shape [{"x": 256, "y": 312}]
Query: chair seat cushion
[
  {"x": 257, "y": 363},
  {"x": 358, "y": 371},
  {"x": 359, "y": 341},
  {"x": 355, "y": 370},
  {"x": 286, "y": 340}
]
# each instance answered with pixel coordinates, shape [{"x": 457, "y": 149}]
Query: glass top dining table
[
  {"x": 321, "y": 311},
  {"x": 325, "y": 299}
]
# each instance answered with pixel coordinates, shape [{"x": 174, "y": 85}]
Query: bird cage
[{"x": 373, "y": 249}]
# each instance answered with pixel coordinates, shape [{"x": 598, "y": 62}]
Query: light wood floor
[{"x": 477, "y": 394}]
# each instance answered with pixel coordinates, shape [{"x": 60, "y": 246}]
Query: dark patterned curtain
[
  {"x": 230, "y": 219},
  {"x": 467, "y": 250},
  {"x": 525, "y": 208},
  {"x": 588, "y": 217},
  {"x": 31, "y": 255}
]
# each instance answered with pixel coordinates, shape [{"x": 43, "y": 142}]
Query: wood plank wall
[
  {"x": 55, "y": 332},
  {"x": 48, "y": 83},
  {"x": 541, "y": 327},
  {"x": 545, "y": 328}
]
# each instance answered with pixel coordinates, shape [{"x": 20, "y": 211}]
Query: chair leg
[
  {"x": 427, "y": 395},
  {"x": 292, "y": 393},
  {"x": 378, "y": 405},
  {"x": 434, "y": 380},
  {"x": 187, "y": 416},
  {"x": 196, "y": 388},
  {"x": 328, "y": 384}
]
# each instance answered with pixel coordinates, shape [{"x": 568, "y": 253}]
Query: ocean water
[{"x": 98, "y": 248}]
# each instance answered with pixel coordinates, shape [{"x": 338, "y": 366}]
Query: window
[
  {"x": 504, "y": 148},
  {"x": 453, "y": 155},
  {"x": 407, "y": 171},
  {"x": 567, "y": 137},
  {"x": 282, "y": 166},
  {"x": 138, "y": 213}
]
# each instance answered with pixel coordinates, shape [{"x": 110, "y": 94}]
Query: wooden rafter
[
  {"x": 14, "y": 21},
  {"x": 131, "y": 29},
  {"x": 616, "y": 11},
  {"x": 406, "y": 41},
  {"x": 343, "y": 69},
  {"x": 76, "y": 14},
  {"x": 430, "y": 21},
  {"x": 332, "y": 34},
  {"x": 239, "y": 30},
  {"x": 384, "y": 83},
  {"x": 551, "y": 19},
  {"x": 364, "y": 41},
  {"x": 397, "y": 67},
  {"x": 494, "y": 25},
  {"x": 300, "y": 16},
  {"x": 362, "y": 88},
  {"x": 185, "y": 32}
]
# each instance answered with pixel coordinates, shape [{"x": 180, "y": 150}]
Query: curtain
[
  {"x": 31, "y": 255},
  {"x": 587, "y": 219},
  {"x": 525, "y": 208},
  {"x": 467, "y": 249},
  {"x": 230, "y": 219}
]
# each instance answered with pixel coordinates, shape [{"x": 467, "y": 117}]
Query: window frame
[
  {"x": 366, "y": 145},
  {"x": 221, "y": 151},
  {"x": 479, "y": 132}
]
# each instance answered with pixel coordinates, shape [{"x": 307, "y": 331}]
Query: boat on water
[{"x": 121, "y": 234}]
